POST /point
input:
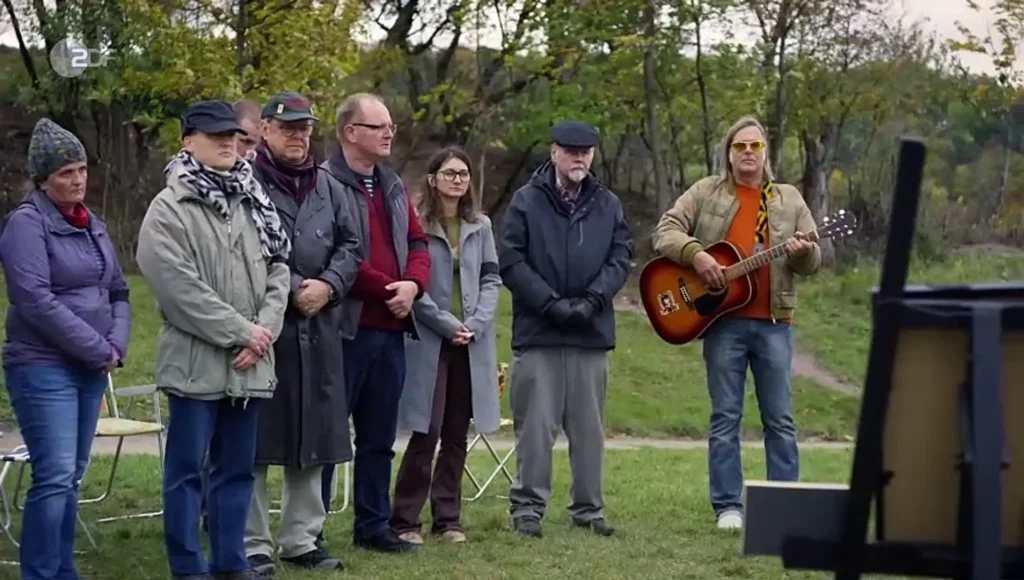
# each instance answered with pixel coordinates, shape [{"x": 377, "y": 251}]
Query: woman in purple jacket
[{"x": 67, "y": 328}]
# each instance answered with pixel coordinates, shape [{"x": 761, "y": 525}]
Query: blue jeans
[
  {"x": 730, "y": 345},
  {"x": 227, "y": 429},
  {"x": 374, "y": 377},
  {"x": 57, "y": 408}
]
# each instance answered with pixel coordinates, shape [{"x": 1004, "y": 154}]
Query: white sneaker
[{"x": 730, "y": 520}]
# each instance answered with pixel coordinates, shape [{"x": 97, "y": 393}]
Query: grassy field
[
  {"x": 656, "y": 390},
  {"x": 834, "y": 316},
  {"x": 657, "y": 499}
]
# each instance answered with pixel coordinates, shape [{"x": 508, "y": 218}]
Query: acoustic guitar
[{"x": 681, "y": 308}]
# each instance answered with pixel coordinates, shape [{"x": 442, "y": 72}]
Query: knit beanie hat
[{"x": 51, "y": 148}]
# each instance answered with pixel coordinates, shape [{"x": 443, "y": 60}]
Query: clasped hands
[
  {"x": 260, "y": 341},
  {"x": 462, "y": 336},
  {"x": 572, "y": 311},
  {"x": 311, "y": 296}
]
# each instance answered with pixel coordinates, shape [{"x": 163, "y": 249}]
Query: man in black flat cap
[
  {"x": 565, "y": 252},
  {"x": 214, "y": 252}
]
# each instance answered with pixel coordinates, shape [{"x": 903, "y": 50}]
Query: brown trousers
[{"x": 449, "y": 422}]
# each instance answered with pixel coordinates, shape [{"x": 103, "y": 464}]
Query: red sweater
[{"x": 382, "y": 267}]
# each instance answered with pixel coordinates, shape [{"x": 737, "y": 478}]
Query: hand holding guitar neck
[{"x": 799, "y": 245}]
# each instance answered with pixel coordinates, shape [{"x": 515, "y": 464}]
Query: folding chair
[
  {"x": 111, "y": 424},
  {"x": 500, "y": 460},
  {"x": 19, "y": 456}
]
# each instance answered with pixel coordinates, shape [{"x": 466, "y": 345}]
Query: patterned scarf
[
  {"x": 296, "y": 180},
  {"x": 761, "y": 229},
  {"x": 213, "y": 187}
]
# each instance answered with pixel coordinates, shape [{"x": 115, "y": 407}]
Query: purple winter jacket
[{"x": 68, "y": 299}]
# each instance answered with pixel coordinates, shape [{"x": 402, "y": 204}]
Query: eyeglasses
[
  {"x": 451, "y": 174},
  {"x": 378, "y": 127},
  {"x": 291, "y": 129},
  {"x": 741, "y": 146}
]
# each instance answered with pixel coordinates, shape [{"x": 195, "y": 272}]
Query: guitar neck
[{"x": 744, "y": 267}]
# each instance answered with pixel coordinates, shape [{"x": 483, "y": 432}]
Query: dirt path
[
  {"x": 148, "y": 445},
  {"x": 804, "y": 363}
]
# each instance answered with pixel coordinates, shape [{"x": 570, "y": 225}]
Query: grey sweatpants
[
  {"x": 552, "y": 388},
  {"x": 302, "y": 513}
]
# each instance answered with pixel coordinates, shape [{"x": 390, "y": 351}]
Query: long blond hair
[{"x": 725, "y": 165}]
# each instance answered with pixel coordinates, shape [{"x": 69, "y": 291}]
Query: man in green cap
[{"x": 306, "y": 427}]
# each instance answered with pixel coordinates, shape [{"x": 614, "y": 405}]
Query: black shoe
[
  {"x": 528, "y": 526},
  {"x": 597, "y": 525},
  {"x": 320, "y": 543},
  {"x": 317, "y": 559},
  {"x": 388, "y": 543},
  {"x": 262, "y": 565}
]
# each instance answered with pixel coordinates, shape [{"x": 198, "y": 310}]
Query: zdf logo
[{"x": 69, "y": 58}]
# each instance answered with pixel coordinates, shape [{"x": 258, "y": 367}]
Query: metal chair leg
[
  {"x": 346, "y": 489},
  {"x": 500, "y": 469},
  {"x": 113, "y": 471},
  {"x": 110, "y": 479}
]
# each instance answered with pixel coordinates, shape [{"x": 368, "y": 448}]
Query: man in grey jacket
[
  {"x": 565, "y": 253},
  {"x": 213, "y": 251}
]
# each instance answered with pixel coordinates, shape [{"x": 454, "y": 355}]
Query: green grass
[
  {"x": 658, "y": 499},
  {"x": 656, "y": 390},
  {"x": 833, "y": 318}
]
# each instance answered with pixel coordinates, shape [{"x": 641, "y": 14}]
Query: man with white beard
[{"x": 564, "y": 254}]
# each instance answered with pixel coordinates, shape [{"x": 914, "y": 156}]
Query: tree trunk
[
  {"x": 815, "y": 185},
  {"x": 664, "y": 196}
]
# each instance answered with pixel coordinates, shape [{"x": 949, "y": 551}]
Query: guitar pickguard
[{"x": 706, "y": 304}]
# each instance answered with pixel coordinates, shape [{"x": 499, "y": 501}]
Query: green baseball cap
[{"x": 288, "y": 106}]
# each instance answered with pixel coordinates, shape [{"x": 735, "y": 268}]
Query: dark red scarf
[
  {"x": 297, "y": 180},
  {"x": 77, "y": 216}
]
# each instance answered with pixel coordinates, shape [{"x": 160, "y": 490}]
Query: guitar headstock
[{"x": 838, "y": 225}]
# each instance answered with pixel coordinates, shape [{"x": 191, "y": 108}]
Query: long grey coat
[
  {"x": 306, "y": 424},
  {"x": 478, "y": 266}
]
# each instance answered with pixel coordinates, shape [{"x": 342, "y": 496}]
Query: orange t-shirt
[{"x": 743, "y": 233}]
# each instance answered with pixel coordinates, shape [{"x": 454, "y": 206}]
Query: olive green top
[{"x": 451, "y": 227}]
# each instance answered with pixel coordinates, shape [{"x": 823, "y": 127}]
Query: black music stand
[{"x": 967, "y": 534}]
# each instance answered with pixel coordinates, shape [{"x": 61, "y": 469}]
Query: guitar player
[{"x": 746, "y": 207}]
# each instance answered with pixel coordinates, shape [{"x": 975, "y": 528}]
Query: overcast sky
[{"x": 941, "y": 14}]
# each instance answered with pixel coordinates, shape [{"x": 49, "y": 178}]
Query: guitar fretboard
[{"x": 744, "y": 267}]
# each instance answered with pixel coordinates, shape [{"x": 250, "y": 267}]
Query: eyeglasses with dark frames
[{"x": 451, "y": 174}]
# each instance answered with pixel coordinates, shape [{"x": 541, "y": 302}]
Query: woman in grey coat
[{"x": 452, "y": 372}]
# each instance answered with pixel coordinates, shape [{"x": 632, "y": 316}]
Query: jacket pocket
[{"x": 786, "y": 299}]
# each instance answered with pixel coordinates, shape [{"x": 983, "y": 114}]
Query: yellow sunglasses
[{"x": 741, "y": 146}]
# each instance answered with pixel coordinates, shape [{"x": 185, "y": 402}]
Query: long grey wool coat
[
  {"x": 481, "y": 284},
  {"x": 306, "y": 423}
]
